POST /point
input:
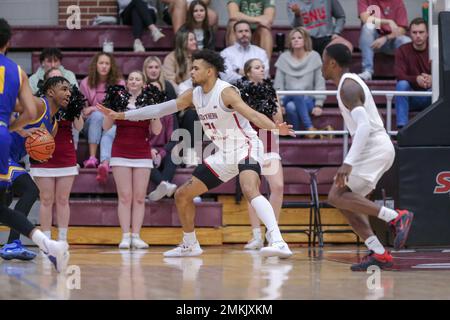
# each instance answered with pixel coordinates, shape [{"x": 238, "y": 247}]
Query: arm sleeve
[
  {"x": 362, "y": 132},
  {"x": 152, "y": 111}
]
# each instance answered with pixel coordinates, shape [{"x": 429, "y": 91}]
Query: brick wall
[{"x": 89, "y": 9}]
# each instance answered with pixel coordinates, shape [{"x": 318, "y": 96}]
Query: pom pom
[
  {"x": 76, "y": 104},
  {"x": 40, "y": 86},
  {"x": 262, "y": 97},
  {"x": 116, "y": 98},
  {"x": 150, "y": 95}
]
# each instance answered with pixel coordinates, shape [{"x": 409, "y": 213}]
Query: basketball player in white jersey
[
  {"x": 370, "y": 156},
  {"x": 225, "y": 119}
]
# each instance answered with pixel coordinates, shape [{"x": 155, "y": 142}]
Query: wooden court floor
[{"x": 225, "y": 272}]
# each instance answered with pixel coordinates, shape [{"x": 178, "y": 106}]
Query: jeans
[
  {"x": 298, "y": 109},
  {"x": 404, "y": 104},
  {"x": 93, "y": 127},
  {"x": 106, "y": 143},
  {"x": 367, "y": 37}
]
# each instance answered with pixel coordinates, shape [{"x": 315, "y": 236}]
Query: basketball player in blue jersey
[
  {"x": 14, "y": 85},
  {"x": 21, "y": 183}
]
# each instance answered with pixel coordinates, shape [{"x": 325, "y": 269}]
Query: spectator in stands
[
  {"x": 174, "y": 13},
  {"x": 260, "y": 13},
  {"x": 299, "y": 68},
  {"x": 317, "y": 18},
  {"x": 385, "y": 33},
  {"x": 161, "y": 149},
  {"x": 241, "y": 51},
  {"x": 177, "y": 64},
  {"x": 272, "y": 169},
  {"x": 413, "y": 71},
  {"x": 177, "y": 67},
  {"x": 103, "y": 71},
  {"x": 152, "y": 69},
  {"x": 131, "y": 162},
  {"x": 140, "y": 14},
  {"x": 50, "y": 58},
  {"x": 164, "y": 168},
  {"x": 197, "y": 22}
]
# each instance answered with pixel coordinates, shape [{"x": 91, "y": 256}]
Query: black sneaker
[
  {"x": 384, "y": 261},
  {"x": 400, "y": 227}
]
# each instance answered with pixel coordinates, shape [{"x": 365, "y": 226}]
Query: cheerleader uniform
[
  {"x": 63, "y": 162},
  {"x": 131, "y": 146},
  {"x": 270, "y": 142}
]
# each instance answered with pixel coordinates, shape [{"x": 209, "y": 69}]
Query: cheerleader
[
  {"x": 55, "y": 177},
  {"x": 131, "y": 160},
  {"x": 259, "y": 94}
]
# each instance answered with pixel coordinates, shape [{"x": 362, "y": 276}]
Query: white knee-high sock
[
  {"x": 265, "y": 213},
  {"x": 40, "y": 239}
]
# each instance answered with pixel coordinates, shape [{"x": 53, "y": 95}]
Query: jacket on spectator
[{"x": 39, "y": 75}]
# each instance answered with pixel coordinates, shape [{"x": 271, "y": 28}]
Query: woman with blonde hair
[
  {"x": 259, "y": 93},
  {"x": 103, "y": 72},
  {"x": 299, "y": 68},
  {"x": 152, "y": 70},
  {"x": 131, "y": 157}
]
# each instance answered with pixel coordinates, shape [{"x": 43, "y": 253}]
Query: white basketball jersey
[
  {"x": 376, "y": 124},
  {"x": 228, "y": 129}
]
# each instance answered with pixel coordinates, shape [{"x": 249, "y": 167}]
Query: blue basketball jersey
[
  {"x": 45, "y": 121},
  {"x": 10, "y": 81}
]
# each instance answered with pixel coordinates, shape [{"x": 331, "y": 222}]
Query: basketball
[{"x": 40, "y": 146}]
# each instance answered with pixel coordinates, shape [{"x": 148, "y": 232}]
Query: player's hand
[
  {"x": 342, "y": 174},
  {"x": 110, "y": 113},
  {"x": 28, "y": 132},
  {"x": 285, "y": 129}
]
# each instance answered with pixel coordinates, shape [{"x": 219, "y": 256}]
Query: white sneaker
[
  {"x": 138, "y": 243},
  {"x": 58, "y": 253},
  {"x": 254, "y": 244},
  {"x": 161, "y": 190},
  {"x": 138, "y": 46},
  {"x": 157, "y": 35},
  {"x": 185, "y": 250},
  {"x": 125, "y": 243},
  {"x": 197, "y": 199},
  {"x": 365, "y": 75},
  {"x": 171, "y": 189},
  {"x": 277, "y": 249}
]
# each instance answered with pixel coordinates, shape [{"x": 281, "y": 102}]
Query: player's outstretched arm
[
  {"x": 151, "y": 111},
  {"x": 26, "y": 100},
  {"x": 232, "y": 99}
]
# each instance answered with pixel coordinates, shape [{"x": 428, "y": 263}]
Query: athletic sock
[
  {"x": 265, "y": 213},
  {"x": 375, "y": 245},
  {"x": 189, "y": 238},
  {"x": 48, "y": 234},
  {"x": 387, "y": 214},
  {"x": 62, "y": 234},
  {"x": 40, "y": 239},
  {"x": 256, "y": 233}
]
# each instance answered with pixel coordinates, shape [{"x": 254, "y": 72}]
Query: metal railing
[{"x": 387, "y": 93}]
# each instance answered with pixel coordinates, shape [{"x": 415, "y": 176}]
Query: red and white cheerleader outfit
[
  {"x": 64, "y": 159},
  {"x": 131, "y": 146}
]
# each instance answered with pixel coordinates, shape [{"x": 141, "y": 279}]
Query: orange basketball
[{"x": 40, "y": 146}]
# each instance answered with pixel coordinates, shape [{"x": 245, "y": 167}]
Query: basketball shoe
[
  {"x": 383, "y": 261},
  {"x": 58, "y": 253},
  {"x": 277, "y": 249},
  {"x": 15, "y": 250},
  {"x": 185, "y": 250},
  {"x": 400, "y": 227}
]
